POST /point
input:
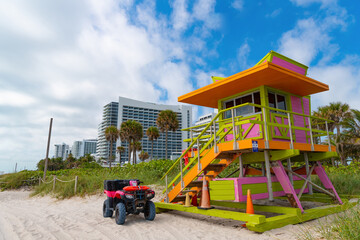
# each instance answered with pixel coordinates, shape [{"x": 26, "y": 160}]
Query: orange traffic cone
[
  {"x": 205, "y": 196},
  {"x": 249, "y": 205}
]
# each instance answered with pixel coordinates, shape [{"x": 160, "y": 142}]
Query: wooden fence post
[
  {"x": 76, "y": 181},
  {"x": 54, "y": 182}
]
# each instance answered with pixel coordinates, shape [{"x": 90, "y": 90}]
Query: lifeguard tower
[{"x": 263, "y": 124}]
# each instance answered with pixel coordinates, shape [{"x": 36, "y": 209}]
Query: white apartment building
[
  {"x": 146, "y": 114},
  {"x": 81, "y": 148}
]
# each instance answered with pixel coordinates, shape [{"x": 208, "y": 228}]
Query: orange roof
[{"x": 268, "y": 74}]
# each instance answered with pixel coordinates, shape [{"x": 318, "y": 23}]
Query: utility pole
[{"x": 47, "y": 150}]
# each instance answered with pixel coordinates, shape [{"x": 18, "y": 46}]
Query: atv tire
[
  {"x": 149, "y": 211},
  {"x": 120, "y": 213},
  {"x": 107, "y": 212}
]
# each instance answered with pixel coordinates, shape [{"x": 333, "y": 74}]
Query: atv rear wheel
[
  {"x": 149, "y": 211},
  {"x": 120, "y": 213},
  {"x": 107, "y": 212}
]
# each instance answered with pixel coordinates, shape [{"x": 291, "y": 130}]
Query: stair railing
[{"x": 236, "y": 121}]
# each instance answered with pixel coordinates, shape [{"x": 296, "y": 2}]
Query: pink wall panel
[
  {"x": 306, "y": 104},
  {"x": 290, "y": 66},
  {"x": 300, "y": 135}
]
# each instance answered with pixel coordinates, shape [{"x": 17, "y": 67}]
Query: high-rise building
[
  {"x": 62, "y": 150},
  {"x": 146, "y": 114},
  {"x": 110, "y": 118},
  {"x": 81, "y": 148},
  {"x": 205, "y": 119}
]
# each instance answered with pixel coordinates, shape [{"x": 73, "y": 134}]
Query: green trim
[
  {"x": 315, "y": 156},
  {"x": 272, "y": 53},
  {"x": 257, "y": 188},
  {"x": 214, "y": 78},
  {"x": 275, "y": 155},
  {"x": 266, "y": 57},
  {"x": 259, "y": 223},
  {"x": 221, "y": 101},
  {"x": 254, "y": 218}
]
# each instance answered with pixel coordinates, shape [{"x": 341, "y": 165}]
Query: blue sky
[{"x": 66, "y": 59}]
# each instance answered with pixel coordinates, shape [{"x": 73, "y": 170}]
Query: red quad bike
[{"x": 127, "y": 197}]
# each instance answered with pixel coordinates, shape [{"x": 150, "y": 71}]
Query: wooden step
[
  {"x": 196, "y": 183},
  {"x": 214, "y": 167},
  {"x": 179, "y": 198},
  {"x": 226, "y": 155}
]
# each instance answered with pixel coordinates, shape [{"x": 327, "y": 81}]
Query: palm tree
[
  {"x": 143, "y": 156},
  {"x": 153, "y": 134},
  {"x": 111, "y": 135},
  {"x": 339, "y": 113},
  {"x": 167, "y": 121},
  {"x": 131, "y": 131},
  {"x": 136, "y": 146},
  {"x": 119, "y": 150}
]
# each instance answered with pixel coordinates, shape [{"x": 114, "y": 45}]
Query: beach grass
[
  {"x": 343, "y": 226},
  {"x": 90, "y": 180}
]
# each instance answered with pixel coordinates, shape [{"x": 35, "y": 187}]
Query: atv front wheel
[
  {"x": 107, "y": 212},
  {"x": 120, "y": 214},
  {"x": 149, "y": 211}
]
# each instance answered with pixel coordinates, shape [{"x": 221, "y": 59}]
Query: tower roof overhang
[{"x": 267, "y": 74}]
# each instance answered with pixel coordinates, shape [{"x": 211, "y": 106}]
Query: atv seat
[{"x": 115, "y": 185}]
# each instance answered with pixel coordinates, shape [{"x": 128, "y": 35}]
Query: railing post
[
  {"x": 166, "y": 187},
  {"x": 328, "y": 136},
  {"x": 265, "y": 129},
  {"x": 241, "y": 167},
  {"x": 268, "y": 175},
  {"x": 311, "y": 136},
  {"x": 54, "y": 183},
  {"x": 307, "y": 171},
  {"x": 290, "y": 132},
  {"x": 234, "y": 129},
  {"x": 181, "y": 172},
  {"x": 210, "y": 135},
  {"x": 198, "y": 152},
  {"x": 76, "y": 183},
  {"x": 191, "y": 136},
  {"x": 215, "y": 146}
]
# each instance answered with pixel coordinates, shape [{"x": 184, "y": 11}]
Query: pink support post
[
  {"x": 285, "y": 183},
  {"x": 320, "y": 171}
]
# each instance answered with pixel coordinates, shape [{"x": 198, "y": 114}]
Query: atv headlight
[
  {"x": 149, "y": 195},
  {"x": 129, "y": 196}
]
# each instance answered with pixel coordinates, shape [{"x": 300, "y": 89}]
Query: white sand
[{"x": 22, "y": 217}]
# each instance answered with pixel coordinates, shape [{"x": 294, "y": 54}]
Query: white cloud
[
  {"x": 180, "y": 16},
  {"x": 69, "y": 67},
  {"x": 311, "y": 42},
  {"x": 324, "y": 3},
  {"x": 15, "y": 99},
  {"x": 274, "y": 13},
  {"x": 343, "y": 80},
  {"x": 204, "y": 10},
  {"x": 238, "y": 4},
  {"x": 243, "y": 54}
]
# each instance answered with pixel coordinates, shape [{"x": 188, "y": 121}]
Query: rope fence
[{"x": 55, "y": 179}]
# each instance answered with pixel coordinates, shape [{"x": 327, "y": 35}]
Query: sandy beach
[{"x": 24, "y": 217}]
